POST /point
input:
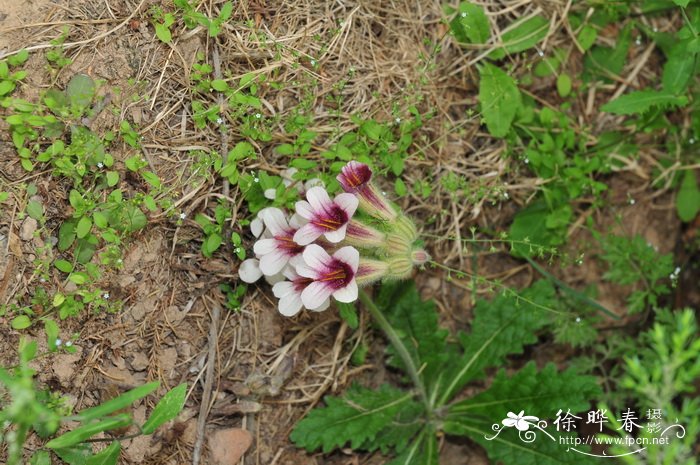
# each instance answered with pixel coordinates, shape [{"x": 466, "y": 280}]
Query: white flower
[
  {"x": 522, "y": 423},
  {"x": 183, "y": 215},
  {"x": 105, "y": 295},
  {"x": 69, "y": 343},
  {"x": 289, "y": 293},
  {"x": 58, "y": 342},
  {"x": 219, "y": 120},
  {"x": 331, "y": 275},
  {"x": 249, "y": 271},
  {"x": 100, "y": 165},
  {"x": 256, "y": 226},
  {"x": 275, "y": 252},
  {"x": 328, "y": 218}
]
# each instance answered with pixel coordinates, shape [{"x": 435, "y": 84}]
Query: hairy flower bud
[
  {"x": 363, "y": 236},
  {"x": 370, "y": 271},
  {"x": 399, "y": 267},
  {"x": 419, "y": 257},
  {"x": 356, "y": 178}
]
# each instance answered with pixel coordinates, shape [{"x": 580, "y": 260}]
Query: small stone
[
  {"x": 26, "y": 231},
  {"x": 140, "y": 362},
  {"x": 227, "y": 446}
]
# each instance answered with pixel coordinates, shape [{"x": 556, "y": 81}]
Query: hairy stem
[{"x": 401, "y": 349}]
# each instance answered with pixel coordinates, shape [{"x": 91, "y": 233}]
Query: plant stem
[{"x": 401, "y": 349}]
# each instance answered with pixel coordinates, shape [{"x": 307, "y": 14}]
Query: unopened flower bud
[
  {"x": 356, "y": 178},
  {"x": 405, "y": 227},
  {"x": 419, "y": 257},
  {"x": 370, "y": 271},
  {"x": 363, "y": 236},
  {"x": 396, "y": 244},
  {"x": 399, "y": 267}
]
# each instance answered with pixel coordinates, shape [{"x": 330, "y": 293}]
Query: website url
[{"x": 609, "y": 441}]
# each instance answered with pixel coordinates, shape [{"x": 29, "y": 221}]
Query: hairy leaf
[
  {"x": 423, "y": 451},
  {"x": 539, "y": 394},
  {"x": 522, "y": 35},
  {"x": 642, "y": 101},
  {"x": 688, "y": 199},
  {"x": 357, "y": 418},
  {"x": 500, "y": 99},
  {"x": 501, "y": 327},
  {"x": 679, "y": 69},
  {"x": 167, "y": 408}
]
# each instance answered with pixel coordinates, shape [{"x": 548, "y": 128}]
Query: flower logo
[{"x": 520, "y": 421}]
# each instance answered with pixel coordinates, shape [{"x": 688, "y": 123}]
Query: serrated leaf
[
  {"x": 500, "y": 99},
  {"x": 501, "y": 327},
  {"x": 688, "y": 198},
  {"x": 642, "y": 101},
  {"x": 357, "y": 418},
  {"x": 540, "y": 394},
  {"x": 423, "y": 451},
  {"x": 167, "y": 408},
  {"x": 118, "y": 403},
  {"x": 107, "y": 456},
  {"x": 470, "y": 24},
  {"x": 417, "y": 324}
]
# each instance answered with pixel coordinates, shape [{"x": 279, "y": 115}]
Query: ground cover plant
[{"x": 310, "y": 232}]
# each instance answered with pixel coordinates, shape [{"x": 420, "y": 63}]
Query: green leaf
[
  {"x": 522, "y": 35},
  {"x": 539, "y": 394},
  {"x": 35, "y": 210},
  {"x": 400, "y": 187},
  {"x": 21, "y": 322},
  {"x": 356, "y": 417},
  {"x": 530, "y": 225},
  {"x": 642, "y": 101},
  {"x": 84, "y": 432},
  {"x": 151, "y": 178},
  {"x": 51, "y": 330},
  {"x": 163, "y": 33},
  {"x": 348, "y": 313},
  {"x": 211, "y": 244},
  {"x": 4, "y": 196},
  {"x": 423, "y": 451},
  {"x": 678, "y": 69},
  {"x": 134, "y": 218},
  {"x": 108, "y": 456},
  {"x": 81, "y": 90},
  {"x": 688, "y": 198},
  {"x": 118, "y": 403},
  {"x": 6, "y": 87},
  {"x": 681, "y": 3},
  {"x": 63, "y": 265},
  {"x": 501, "y": 327},
  {"x": 112, "y": 178},
  {"x": 40, "y": 457},
  {"x": 76, "y": 455},
  {"x": 416, "y": 322},
  {"x": 219, "y": 85},
  {"x": 564, "y": 85},
  {"x": 66, "y": 235},
  {"x": 470, "y": 24},
  {"x": 586, "y": 38},
  {"x": 500, "y": 99},
  {"x": 83, "y": 227},
  {"x": 167, "y": 408}
]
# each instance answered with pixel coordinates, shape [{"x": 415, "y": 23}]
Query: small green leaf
[
  {"x": 84, "y": 226},
  {"x": 63, "y": 265},
  {"x": 587, "y": 36},
  {"x": 4, "y": 196},
  {"x": 84, "y": 432},
  {"x": 219, "y": 85},
  {"x": 66, "y": 235},
  {"x": 81, "y": 90},
  {"x": 151, "y": 178},
  {"x": 75, "y": 455},
  {"x": 118, "y": 403},
  {"x": 167, "y": 408},
  {"x": 108, "y": 456},
  {"x": 678, "y": 69},
  {"x": 163, "y": 33},
  {"x": 348, "y": 313},
  {"x": 112, "y": 178},
  {"x": 211, "y": 244},
  {"x": 688, "y": 199},
  {"x": 21, "y": 322},
  {"x": 500, "y": 99},
  {"x": 40, "y": 457},
  {"x": 35, "y": 210},
  {"x": 100, "y": 219},
  {"x": 51, "y": 330},
  {"x": 400, "y": 187},
  {"x": 564, "y": 85}
]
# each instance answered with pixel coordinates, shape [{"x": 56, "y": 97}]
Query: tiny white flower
[
  {"x": 677, "y": 270},
  {"x": 258, "y": 115},
  {"x": 219, "y": 120},
  {"x": 464, "y": 14},
  {"x": 527, "y": 160},
  {"x": 237, "y": 249},
  {"x": 632, "y": 201},
  {"x": 120, "y": 261},
  {"x": 58, "y": 342},
  {"x": 183, "y": 215},
  {"x": 656, "y": 29},
  {"x": 540, "y": 53},
  {"x": 69, "y": 343},
  {"x": 105, "y": 295},
  {"x": 313, "y": 62},
  {"x": 506, "y": 196},
  {"x": 43, "y": 280},
  {"x": 100, "y": 165},
  {"x": 578, "y": 319},
  {"x": 256, "y": 179},
  {"x": 398, "y": 120},
  {"x": 691, "y": 141}
]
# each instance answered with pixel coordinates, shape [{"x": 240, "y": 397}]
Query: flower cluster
[{"x": 329, "y": 247}]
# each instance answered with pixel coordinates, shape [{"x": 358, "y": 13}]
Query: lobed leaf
[{"x": 642, "y": 101}]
